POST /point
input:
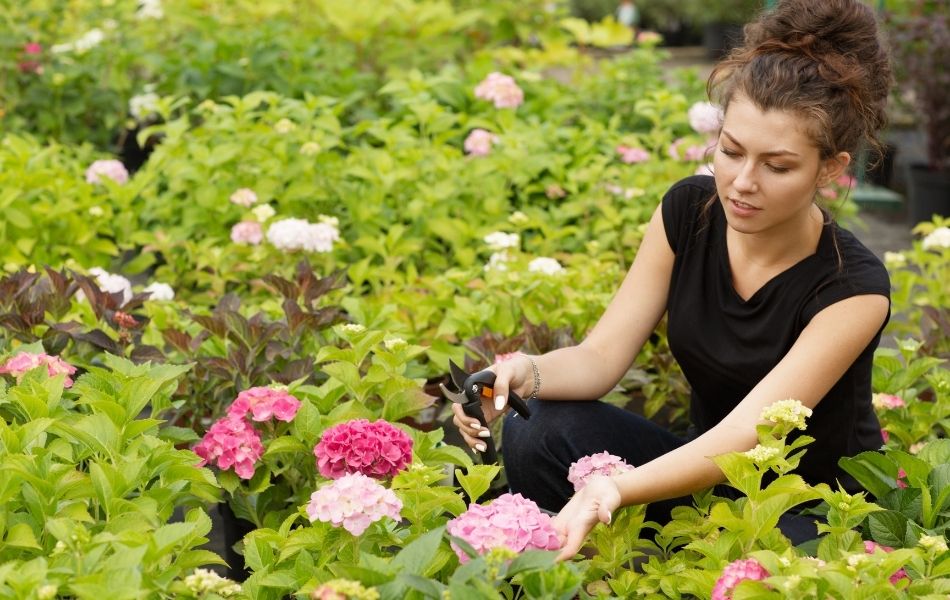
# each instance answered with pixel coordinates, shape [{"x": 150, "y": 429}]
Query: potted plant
[
  {"x": 920, "y": 42},
  {"x": 721, "y": 22}
]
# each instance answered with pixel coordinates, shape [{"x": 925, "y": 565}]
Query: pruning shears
[{"x": 471, "y": 390}]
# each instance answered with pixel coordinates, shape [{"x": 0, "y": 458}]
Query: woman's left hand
[{"x": 595, "y": 503}]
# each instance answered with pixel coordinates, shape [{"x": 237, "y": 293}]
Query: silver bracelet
[{"x": 537, "y": 379}]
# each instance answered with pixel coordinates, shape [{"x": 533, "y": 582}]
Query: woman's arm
[
  {"x": 592, "y": 368},
  {"x": 826, "y": 348}
]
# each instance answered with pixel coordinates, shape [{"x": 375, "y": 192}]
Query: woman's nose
[{"x": 745, "y": 179}]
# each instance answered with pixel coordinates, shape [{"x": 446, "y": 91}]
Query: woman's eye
[
  {"x": 777, "y": 169},
  {"x": 727, "y": 151}
]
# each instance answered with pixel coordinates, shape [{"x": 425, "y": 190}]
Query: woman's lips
[{"x": 742, "y": 209}]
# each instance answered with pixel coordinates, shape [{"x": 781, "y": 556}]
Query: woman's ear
[{"x": 833, "y": 168}]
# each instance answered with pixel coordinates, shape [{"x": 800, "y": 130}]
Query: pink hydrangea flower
[
  {"x": 32, "y": 48},
  {"x": 110, "y": 168},
  {"x": 23, "y": 362},
  {"x": 503, "y": 356},
  {"x": 500, "y": 89},
  {"x": 705, "y": 117},
  {"x": 244, "y": 197},
  {"x": 247, "y": 232},
  {"x": 885, "y": 435},
  {"x": 231, "y": 442},
  {"x": 602, "y": 463},
  {"x": 901, "y": 474},
  {"x": 354, "y": 501},
  {"x": 870, "y": 547},
  {"x": 632, "y": 155},
  {"x": 887, "y": 401},
  {"x": 264, "y": 403},
  {"x": 377, "y": 449},
  {"x": 479, "y": 142},
  {"x": 696, "y": 152},
  {"x": 736, "y": 572},
  {"x": 511, "y": 521}
]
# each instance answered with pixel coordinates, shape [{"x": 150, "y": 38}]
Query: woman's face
[{"x": 767, "y": 168}]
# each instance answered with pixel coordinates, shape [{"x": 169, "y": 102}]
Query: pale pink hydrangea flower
[
  {"x": 545, "y": 265},
  {"x": 231, "y": 442},
  {"x": 602, "y": 463},
  {"x": 264, "y": 403},
  {"x": 673, "y": 150},
  {"x": 695, "y": 152},
  {"x": 378, "y": 449},
  {"x": 500, "y": 89},
  {"x": 479, "y": 142},
  {"x": 299, "y": 234},
  {"x": 632, "y": 155},
  {"x": 736, "y": 572},
  {"x": 885, "y": 435},
  {"x": 511, "y": 521},
  {"x": 23, "y": 362},
  {"x": 887, "y": 401},
  {"x": 706, "y": 169},
  {"x": 354, "y": 501},
  {"x": 901, "y": 474},
  {"x": 247, "y": 232},
  {"x": 705, "y": 117},
  {"x": 649, "y": 38},
  {"x": 870, "y": 547},
  {"x": 244, "y": 197},
  {"x": 110, "y": 168},
  {"x": 343, "y": 589}
]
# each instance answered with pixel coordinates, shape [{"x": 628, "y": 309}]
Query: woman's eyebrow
[{"x": 770, "y": 153}]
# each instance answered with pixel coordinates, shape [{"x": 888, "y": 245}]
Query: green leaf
[
  {"x": 285, "y": 445},
  {"x": 229, "y": 480},
  {"x": 873, "y": 471},
  {"x": 532, "y": 560},
  {"x": 102, "y": 483},
  {"x": 939, "y": 481},
  {"x": 307, "y": 423},
  {"x": 889, "y": 528},
  {"x": 419, "y": 553},
  {"x": 21, "y": 535},
  {"x": 477, "y": 481},
  {"x": 936, "y": 452}
]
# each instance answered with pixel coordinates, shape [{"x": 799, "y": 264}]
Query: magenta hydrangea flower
[
  {"x": 479, "y": 142},
  {"x": 602, "y": 463},
  {"x": 631, "y": 155},
  {"x": 870, "y": 547},
  {"x": 501, "y": 89},
  {"x": 736, "y": 572},
  {"x": 354, "y": 502},
  {"x": 23, "y": 362},
  {"x": 231, "y": 442},
  {"x": 111, "y": 168},
  {"x": 247, "y": 232},
  {"x": 263, "y": 403},
  {"x": 377, "y": 449},
  {"x": 511, "y": 521}
]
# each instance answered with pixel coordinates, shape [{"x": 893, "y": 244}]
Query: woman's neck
[{"x": 780, "y": 246}]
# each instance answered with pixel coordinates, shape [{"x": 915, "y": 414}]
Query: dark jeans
[{"x": 538, "y": 452}]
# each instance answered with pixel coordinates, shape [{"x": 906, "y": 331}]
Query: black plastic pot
[{"x": 928, "y": 192}]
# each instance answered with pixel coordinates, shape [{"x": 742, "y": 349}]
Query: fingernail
[
  {"x": 484, "y": 433},
  {"x": 480, "y": 447},
  {"x": 476, "y": 425},
  {"x": 499, "y": 402}
]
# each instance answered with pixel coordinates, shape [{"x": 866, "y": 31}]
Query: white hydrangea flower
[
  {"x": 499, "y": 240},
  {"x": 310, "y": 149},
  {"x": 894, "y": 259},
  {"x": 150, "y": 9},
  {"x": 788, "y": 411},
  {"x": 518, "y": 218},
  {"x": 145, "y": 104},
  {"x": 284, "y": 126},
  {"x": 353, "y": 328},
  {"x": 917, "y": 447},
  {"x": 936, "y": 239},
  {"x": 546, "y": 265},
  {"x": 394, "y": 344},
  {"x": 497, "y": 261},
  {"x": 761, "y": 454},
  {"x": 112, "y": 283},
  {"x": 96, "y": 211},
  {"x": 47, "y": 592},
  {"x": 89, "y": 40},
  {"x": 332, "y": 221},
  {"x": 934, "y": 543},
  {"x": 244, "y": 197},
  {"x": 263, "y": 212},
  {"x": 205, "y": 581},
  {"x": 160, "y": 291},
  {"x": 299, "y": 234}
]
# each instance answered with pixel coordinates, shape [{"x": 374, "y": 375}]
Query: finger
[
  {"x": 604, "y": 513},
  {"x": 467, "y": 425},
  {"x": 501, "y": 389},
  {"x": 476, "y": 444},
  {"x": 572, "y": 546}
]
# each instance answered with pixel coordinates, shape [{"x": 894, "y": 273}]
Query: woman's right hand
[{"x": 509, "y": 374}]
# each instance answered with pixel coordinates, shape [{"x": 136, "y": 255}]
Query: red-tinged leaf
[
  {"x": 287, "y": 289},
  {"x": 228, "y": 303},
  {"x": 99, "y": 339},
  {"x": 177, "y": 339},
  {"x": 146, "y": 353},
  {"x": 59, "y": 281},
  {"x": 295, "y": 369},
  {"x": 14, "y": 322},
  {"x": 214, "y": 325}
]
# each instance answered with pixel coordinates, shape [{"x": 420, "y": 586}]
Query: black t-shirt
[{"x": 726, "y": 345}]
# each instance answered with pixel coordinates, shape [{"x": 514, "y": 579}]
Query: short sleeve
[
  {"x": 682, "y": 207},
  {"x": 859, "y": 273}
]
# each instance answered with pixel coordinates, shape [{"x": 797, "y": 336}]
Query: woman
[{"x": 767, "y": 298}]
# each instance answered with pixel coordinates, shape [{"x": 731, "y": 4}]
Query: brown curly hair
[{"x": 822, "y": 59}]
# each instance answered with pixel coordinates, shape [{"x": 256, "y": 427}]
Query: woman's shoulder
[{"x": 702, "y": 186}]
